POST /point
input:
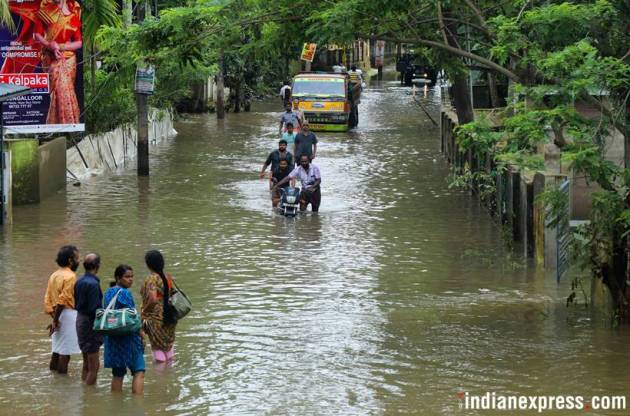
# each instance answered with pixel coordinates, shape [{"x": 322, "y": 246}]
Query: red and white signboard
[{"x": 37, "y": 82}]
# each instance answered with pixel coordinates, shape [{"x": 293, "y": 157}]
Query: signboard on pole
[
  {"x": 379, "y": 53},
  {"x": 44, "y": 52},
  {"x": 308, "y": 52},
  {"x": 145, "y": 80}
]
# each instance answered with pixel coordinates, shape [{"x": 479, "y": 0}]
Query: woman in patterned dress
[
  {"x": 58, "y": 30},
  {"x": 157, "y": 316},
  {"x": 124, "y": 351}
]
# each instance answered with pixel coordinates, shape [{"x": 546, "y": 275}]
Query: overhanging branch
[{"x": 455, "y": 51}]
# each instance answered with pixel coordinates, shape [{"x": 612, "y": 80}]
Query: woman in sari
[
  {"x": 157, "y": 316},
  {"x": 59, "y": 33}
]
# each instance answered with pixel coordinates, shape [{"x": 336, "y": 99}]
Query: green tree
[{"x": 5, "y": 15}]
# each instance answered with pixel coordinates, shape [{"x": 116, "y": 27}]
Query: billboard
[
  {"x": 308, "y": 52},
  {"x": 43, "y": 51}
]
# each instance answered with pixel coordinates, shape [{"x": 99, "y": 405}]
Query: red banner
[{"x": 36, "y": 81}]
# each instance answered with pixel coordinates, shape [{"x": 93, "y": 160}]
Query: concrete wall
[
  {"x": 24, "y": 170},
  {"x": 39, "y": 171},
  {"x": 603, "y": 306},
  {"x": 581, "y": 190},
  {"x": 100, "y": 153},
  {"x": 52, "y": 167}
]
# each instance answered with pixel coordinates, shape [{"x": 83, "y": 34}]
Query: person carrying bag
[
  {"x": 180, "y": 303},
  {"x": 124, "y": 347},
  {"x": 112, "y": 321}
]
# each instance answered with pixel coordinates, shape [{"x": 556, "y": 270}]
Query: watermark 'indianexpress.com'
[{"x": 494, "y": 401}]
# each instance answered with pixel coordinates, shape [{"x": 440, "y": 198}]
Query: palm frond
[
  {"x": 97, "y": 14},
  {"x": 5, "y": 16}
]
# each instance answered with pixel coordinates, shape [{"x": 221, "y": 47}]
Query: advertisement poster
[
  {"x": 308, "y": 52},
  {"x": 44, "y": 51}
]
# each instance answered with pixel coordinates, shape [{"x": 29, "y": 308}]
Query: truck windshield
[{"x": 320, "y": 87}]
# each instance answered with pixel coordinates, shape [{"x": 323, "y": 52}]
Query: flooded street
[{"x": 398, "y": 295}]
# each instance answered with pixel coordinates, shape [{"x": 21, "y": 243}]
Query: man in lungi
[{"x": 59, "y": 304}]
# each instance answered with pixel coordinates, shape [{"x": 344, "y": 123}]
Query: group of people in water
[
  {"x": 72, "y": 304},
  {"x": 293, "y": 160}
]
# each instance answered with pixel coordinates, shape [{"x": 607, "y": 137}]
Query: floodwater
[{"x": 396, "y": 297}]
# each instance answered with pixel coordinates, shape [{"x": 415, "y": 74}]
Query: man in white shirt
[
  {"x": 310, "y": 178},
  {"x": 285, "y": 93},
  {"x": 339, "y": 68}
]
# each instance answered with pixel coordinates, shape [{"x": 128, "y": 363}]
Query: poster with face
[{"x": 44, "y": 52}]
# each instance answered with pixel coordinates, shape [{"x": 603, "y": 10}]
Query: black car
[{"x": 411, "y": 68}]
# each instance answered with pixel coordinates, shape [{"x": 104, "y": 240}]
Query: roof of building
[{"x": 321, "y": 75}]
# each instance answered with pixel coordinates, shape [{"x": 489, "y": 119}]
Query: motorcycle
[{"x": 290, "y": 201}]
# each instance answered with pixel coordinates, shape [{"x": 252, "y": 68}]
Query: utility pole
[
  {"x": 127, "y": 12},
  {"x": 143, "y": 134},
  {"x": 145, "y": 81},
  {"x": 220, "y": 88}
]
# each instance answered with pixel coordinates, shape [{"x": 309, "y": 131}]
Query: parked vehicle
[
  {"x": 415, "y": 70},
  {"x": 329, "y": 101}
]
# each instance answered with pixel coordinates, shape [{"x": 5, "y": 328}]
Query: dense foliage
[{"x": 187, "y": 42}]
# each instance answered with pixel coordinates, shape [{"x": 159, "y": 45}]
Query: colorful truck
[{"x": 329, "y": 101}]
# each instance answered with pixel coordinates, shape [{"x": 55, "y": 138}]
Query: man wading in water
[
  {"x": 88, "y": 297},
  {"x": 59, "y": 304},
  {"x": 274, "y": 158},
  {"x": 305, "y": 144},
  {"x": 278, "y": 175},
  {"x": 289, "y": 116}
]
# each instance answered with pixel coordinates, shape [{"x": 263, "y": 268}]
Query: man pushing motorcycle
[{"x": 310, "y": 178}]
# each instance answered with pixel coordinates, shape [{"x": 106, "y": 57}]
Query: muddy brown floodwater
[{"x": 396, "y": 297}]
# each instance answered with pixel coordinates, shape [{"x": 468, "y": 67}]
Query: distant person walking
[
  {"x": 88, "y": 297},
  {"x": 157, "y": 315},
  {"x": 285, "y": 93},
  {"x": 339, "y": 68},
  {"x": 305, "y": 143},
  {"x": 124, "y": 351},
  {"x": 59, "y": 304}
]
